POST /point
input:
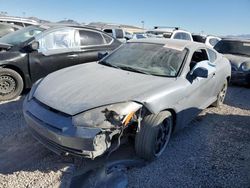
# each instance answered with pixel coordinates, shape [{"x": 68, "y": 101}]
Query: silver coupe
[{"x": 144, "y": 91}]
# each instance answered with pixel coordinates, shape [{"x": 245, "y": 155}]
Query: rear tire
[
  {"x": 11, "y": 84},
  {"x": 154, "y": 135},
  {"x": 221, "y": 96}
]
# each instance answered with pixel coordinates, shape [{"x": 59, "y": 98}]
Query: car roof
[
  {"x": 62, "y": 25},
  {"x": 17, "y": 19},
  {"x": 171, "y": 43},
  {"x": 168, "y": 30}
]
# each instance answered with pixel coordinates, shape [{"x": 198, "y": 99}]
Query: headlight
[
  {"x": 107, "y": 116},
  {"x": 33, "y": 89},
  {"x": 245, "y": 66}
]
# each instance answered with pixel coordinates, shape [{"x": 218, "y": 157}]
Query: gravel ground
[
  {"x": 213, "y": 151},
  {"x": 23, "y": 161}
]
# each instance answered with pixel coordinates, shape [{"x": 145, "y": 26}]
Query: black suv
[
  {"x": 238, "y": 53},
  {"x": 35, "y": 51}
]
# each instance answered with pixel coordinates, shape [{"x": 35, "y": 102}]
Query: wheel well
[
  {"x": 173, "y": 113},
  {"x": 17, "y": 70}
]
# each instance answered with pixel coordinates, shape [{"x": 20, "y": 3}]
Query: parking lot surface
[{"x": 212, "y": 151}]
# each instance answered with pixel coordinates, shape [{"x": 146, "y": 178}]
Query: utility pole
[{"x": 142, "y": 24}]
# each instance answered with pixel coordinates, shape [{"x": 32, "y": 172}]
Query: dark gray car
[
  {"x": 146, "y": 89},
  {"x": 237, "y": 51}
]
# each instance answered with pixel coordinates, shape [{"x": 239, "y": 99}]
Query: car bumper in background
[{"x": 240, "y": 77}]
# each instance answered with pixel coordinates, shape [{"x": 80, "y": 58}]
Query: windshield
[
  {"x": 21, "y": 35},
  {"x": 153, "y": 59},
  {"x": 233, "y": 47}
]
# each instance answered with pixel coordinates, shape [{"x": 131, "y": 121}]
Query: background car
[
  {"x": 209, "y": 40},
  {"x": 6, "y": 28},
  {"x": 238, "y": 53},
  {"x": 171, "y": 33},
  {"x": 19, "y": 21},
  {"x": 35, "y": 51},
  {"x": 113, "y": 30},
  {"x": 148, "y": 89}
]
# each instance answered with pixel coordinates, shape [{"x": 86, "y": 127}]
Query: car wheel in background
[
  {"x": 221, "y": 96},
  {"x": 11, "y": 84},
  {"x": 154, "y": 135}
]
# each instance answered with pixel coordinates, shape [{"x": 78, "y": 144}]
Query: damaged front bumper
[{"x": 56, "y": 131}]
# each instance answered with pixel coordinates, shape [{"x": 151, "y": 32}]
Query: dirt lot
[{"x": 213, "y": 151}]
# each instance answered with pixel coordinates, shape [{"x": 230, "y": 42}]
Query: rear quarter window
[{"x": 90, "y": 38}]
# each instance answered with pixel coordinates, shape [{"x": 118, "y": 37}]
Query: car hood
[
  {"x": 4, "y": 46},
  {"x": 83, "y": 87},
  {"x": 237, "y": 60}
]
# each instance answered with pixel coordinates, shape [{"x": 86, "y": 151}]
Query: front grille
[{"x": 48, "y": 116}]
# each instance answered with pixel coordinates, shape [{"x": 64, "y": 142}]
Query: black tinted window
[
  {"x": 233, "y": 47},
  {"x": 198, "y": 38},
  {"x": 90, "y": 38},
  {"x": 108, "y": 31}
]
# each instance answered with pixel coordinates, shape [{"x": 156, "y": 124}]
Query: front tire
[
  {"x": 11, "y": 84},
  {"x": 221, "y": 96},
  {"x": 153, "y": 136}
]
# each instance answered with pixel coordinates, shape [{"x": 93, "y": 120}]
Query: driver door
[{"x": 57, "y": 50}]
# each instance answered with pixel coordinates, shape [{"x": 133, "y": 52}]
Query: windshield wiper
[
  {"x": 128, "y": 68},
  {"x": 108, "y": 64}
]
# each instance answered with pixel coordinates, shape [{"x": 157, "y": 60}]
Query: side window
[
  {"x": 212, "y": 55},
  {"x": 109, "y": 32},
  {"x": 213, "y": 41},
  {"x": 178, "y": 36},
  {"x": 198, "y": 56},
  {"x": 62, "y": 40},
  {"x": 183, "y": 36},
  {"x": 89, "y": 38},
  {"x": 186, "y": 36}
]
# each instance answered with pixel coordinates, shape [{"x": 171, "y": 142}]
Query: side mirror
[
  {"x": 34, "y": 46},
  {"x": 201, "y": 72},
  {"x": 102, "y": 54}
]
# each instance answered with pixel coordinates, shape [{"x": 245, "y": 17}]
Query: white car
[
  {"x": 209, "y": 40},
  {"x": 171, "y": 33}
]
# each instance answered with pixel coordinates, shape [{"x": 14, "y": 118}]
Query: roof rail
[{"x": 162, "y": 27}]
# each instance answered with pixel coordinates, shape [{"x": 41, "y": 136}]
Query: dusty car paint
[{"x": 94, "y": 86}]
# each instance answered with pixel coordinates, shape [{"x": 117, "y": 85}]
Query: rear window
[
  {"x": 233, "y": 47},
  {"x": 119, "y": 33}
]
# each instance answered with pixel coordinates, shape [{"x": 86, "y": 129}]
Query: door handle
[{"x": 73, "y": 55}]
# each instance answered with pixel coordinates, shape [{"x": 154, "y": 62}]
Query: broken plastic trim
[{"x": 106, "y": 117}]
